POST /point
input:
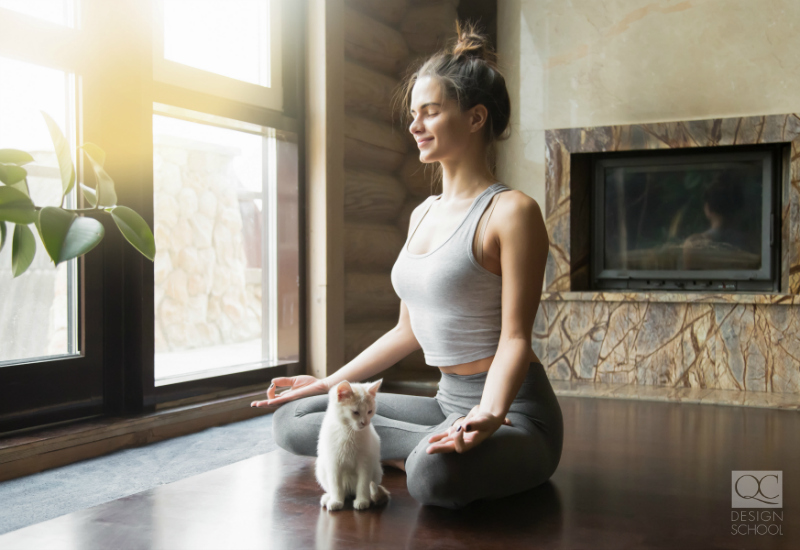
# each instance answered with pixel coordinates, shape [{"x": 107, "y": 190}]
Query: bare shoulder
[
  {"x": 517, "y": 210},
  {"x": 522, "y": 232}
]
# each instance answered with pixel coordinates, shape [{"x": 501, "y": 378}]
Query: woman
[{"x": 495, "y": 426}]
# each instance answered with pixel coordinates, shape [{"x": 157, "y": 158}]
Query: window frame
[
  {"x": 115, "y": 283},
  {"x": 50, "y": 389},
  {"x": 186, "y": 77}
]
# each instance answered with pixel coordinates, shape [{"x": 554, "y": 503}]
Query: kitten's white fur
[{"x": 349, "y": 449}]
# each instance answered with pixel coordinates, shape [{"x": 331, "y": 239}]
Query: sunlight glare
[{"x": 226, "y": 37}]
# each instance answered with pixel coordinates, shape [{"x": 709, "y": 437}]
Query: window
[
  {"x": 38, "y": 309},
  {"x": 226, "y": 48},
  {"x": 197, "y": 104},
  {"x": 60, "y": 12},
  {"x": 214, "y": 182}
]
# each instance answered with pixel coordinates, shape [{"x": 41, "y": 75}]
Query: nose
[{"x": 416, "y": 126}]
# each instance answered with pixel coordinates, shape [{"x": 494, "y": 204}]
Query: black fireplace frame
[{"x": 773, "y": 157}]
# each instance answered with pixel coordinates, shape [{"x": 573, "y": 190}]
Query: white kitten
[{"x": 349, "y": 448}]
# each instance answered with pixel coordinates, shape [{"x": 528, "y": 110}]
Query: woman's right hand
[{"x": 299, "y": 386}]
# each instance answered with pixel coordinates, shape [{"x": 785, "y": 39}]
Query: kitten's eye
[
  {"x": 370, "y": 412},
  {"x": 355, "y": 413}
]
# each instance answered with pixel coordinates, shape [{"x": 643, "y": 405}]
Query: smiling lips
[{"x": 422, "y": 142}]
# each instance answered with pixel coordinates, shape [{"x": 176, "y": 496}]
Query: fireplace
[
  {"x": 699, "y": 219},
  {"x": 728, "y": 149},
  {"x": 734, "y": 339}
]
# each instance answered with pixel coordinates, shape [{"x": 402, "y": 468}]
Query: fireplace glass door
[{"x": 690, "y": 221}]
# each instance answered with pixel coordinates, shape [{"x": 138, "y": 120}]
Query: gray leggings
[{"x": 513, "y": 459}]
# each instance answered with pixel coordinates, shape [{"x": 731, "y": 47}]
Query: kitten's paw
[
  {"x": 324, "y": 500},
  {"x": 361, "y": 503},
  {"x": 335, "y": 504},
  {"x": 378, "y": 493}
]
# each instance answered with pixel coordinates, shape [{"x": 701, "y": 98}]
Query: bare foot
[{"x": 400, "y": 464}]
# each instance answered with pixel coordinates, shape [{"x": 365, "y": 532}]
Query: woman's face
[{"x": 439, "y": 127}]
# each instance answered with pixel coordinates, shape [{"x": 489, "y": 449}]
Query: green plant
[{"x": 65, "y": 233}]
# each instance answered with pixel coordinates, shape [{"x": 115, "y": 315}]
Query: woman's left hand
[{"x": 466, "y": 433}]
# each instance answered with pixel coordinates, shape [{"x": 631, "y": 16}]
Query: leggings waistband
[{"x": 464, "y": 391}]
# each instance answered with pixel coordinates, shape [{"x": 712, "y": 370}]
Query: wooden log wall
[{"x": 384, "y": 180}]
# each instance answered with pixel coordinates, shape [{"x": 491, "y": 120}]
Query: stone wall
[{"x": 202, "y": 293}]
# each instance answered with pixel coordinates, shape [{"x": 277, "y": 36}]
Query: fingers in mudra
[
  {"x": 271, "y": 395},
  {"x": 453, "y": 440},
  {"x": 465, "y": 433}
]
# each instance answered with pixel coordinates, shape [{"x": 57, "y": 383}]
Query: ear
[
  {"x": 343, "y": 390},
  {"x": 373, "y": 388},
  {"x": 478, "y": 115}
]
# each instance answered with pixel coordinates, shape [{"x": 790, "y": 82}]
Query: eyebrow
[{"x": 437, "y": 104}]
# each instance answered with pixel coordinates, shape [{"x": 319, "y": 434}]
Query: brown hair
[{"x": 468, "y": 73}]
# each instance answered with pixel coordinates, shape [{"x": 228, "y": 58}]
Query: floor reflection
[{"x": 630, "y": 472}]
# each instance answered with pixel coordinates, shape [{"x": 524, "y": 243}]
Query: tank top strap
[
  {"x": 429, "y": 201},
  {"x": 471, "y": 223}
]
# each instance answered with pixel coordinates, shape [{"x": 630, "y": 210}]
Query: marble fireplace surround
[{"x": 706, "y": 347}]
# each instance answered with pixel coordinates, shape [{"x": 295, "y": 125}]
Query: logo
[{"x": 757, "y": 489}]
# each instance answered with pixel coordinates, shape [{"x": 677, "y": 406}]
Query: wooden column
[{"x": 325, "y": 186}]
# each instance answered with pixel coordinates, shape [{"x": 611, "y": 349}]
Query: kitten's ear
[
  {"x": 373, "y": 388},
  {"x": 344, "y": 390}
]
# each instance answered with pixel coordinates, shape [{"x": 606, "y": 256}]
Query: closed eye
[{"x": 355, "y": 413}]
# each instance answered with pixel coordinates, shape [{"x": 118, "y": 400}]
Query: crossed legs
[{"x": 513, "y": 459}]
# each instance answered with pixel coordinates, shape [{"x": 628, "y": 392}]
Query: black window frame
[{"x": 114, "y": 373}]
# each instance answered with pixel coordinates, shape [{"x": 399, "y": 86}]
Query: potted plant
[{"x": 65, "y": 233}]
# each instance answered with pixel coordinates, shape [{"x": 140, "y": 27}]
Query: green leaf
[
  {"x": 89, "y": 194},
  {"x": 67, "y": 236},
  {"x": 83, "y": 235},
  {"x": 23, "y": 249},
  {"x": 94, "y": 152},
  {"x": 15, "y": 156},
  {"x": 16, "y": 207},
  {"x": 54, "y": 223},
  {"x": 22, "y": 187},
  {"x": 63, "y": 153},
  {"x": 2, "y": 235},
  {"x": 106, "y": 196},
  {"x": 11, "y": 173},
  {"x": 135, "y": 230}
]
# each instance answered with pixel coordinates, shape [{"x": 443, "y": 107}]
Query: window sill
[{"x": 51, "y": 447}]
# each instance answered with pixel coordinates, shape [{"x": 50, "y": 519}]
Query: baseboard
[
  {"x": 704, "y": 396},
  {"x": 587, "y": 388}
]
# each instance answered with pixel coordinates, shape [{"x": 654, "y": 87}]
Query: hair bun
[{"x": 472, "y": 43}]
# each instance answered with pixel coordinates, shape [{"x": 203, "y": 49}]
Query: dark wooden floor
[{"x": 634, "y": 474}]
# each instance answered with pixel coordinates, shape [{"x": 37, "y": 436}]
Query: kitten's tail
[{"x": 378, "y": 494}]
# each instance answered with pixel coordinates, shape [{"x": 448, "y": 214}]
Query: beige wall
[{"x": 591, "y": 63}]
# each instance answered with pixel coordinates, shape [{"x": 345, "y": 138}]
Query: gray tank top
[{"x": 453, "y": 302}]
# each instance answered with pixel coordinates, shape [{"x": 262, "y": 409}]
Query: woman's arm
[
  {"x": 382, "y": 354},
  {"x": 524, "y": 245},
  {"x": 523, "y": 254}
]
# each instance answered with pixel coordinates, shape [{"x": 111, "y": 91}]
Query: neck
[{"x": 466, "y": 175}]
